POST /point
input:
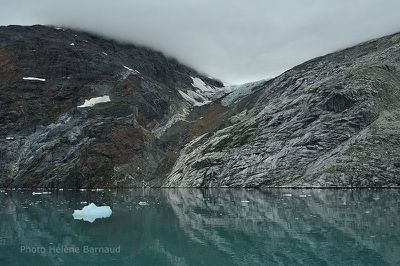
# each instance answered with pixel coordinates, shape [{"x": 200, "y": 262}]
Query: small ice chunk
[
  {"x": 33, "y": 78},
  {"x": 10, "y": 138},
  {"x": 41, "y": 193},
  {"x": 104, "y": 53},
  {"x": 93, "y": 101},
  {"x": 83, "y": 202},
  {"x": 143, "y": 203},
  {"x": 303, "y": 196},
  {"x": 287, "y": 195},
  {"x": 72, "y": 44},
  {"x": 91, "y": 212},
  {"x": 244, "y": 201}
]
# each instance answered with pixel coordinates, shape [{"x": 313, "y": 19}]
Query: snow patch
[
  {"x": 93, "y": 101},
  {"x": 32, "y": 78},
  {"x": 130, "y": 69},
  {"x": 194, "y": 98},
  {"x": 200, "y": 84},
  {"x": 91, "y": 212}
]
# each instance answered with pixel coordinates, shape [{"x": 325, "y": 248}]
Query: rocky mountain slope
[
  {"x": 332, "y": 121},
  {"x": 82, "y": 111},
  {"x": 51, "y": 134}
]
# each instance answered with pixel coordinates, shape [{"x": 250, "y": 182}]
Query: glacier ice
[{"x": 91, "y": 212}]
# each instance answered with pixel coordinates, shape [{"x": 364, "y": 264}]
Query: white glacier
[{"x": 239, "y": 91}]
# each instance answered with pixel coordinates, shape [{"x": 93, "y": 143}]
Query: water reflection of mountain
[
  {"x": 324, "y": 227},
  {"x": 208, "y": 227}
]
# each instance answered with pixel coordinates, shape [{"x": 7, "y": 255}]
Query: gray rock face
[
  {"x": 332, "y": 121},
  {"x": 47, "y": 139}
]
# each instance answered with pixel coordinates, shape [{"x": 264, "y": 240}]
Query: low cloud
[{"x": 233, "y": 40}]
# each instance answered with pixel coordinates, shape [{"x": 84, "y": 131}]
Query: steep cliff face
[
  {"x": 332, "y": 121},
  {"x": 78, "y": 110}
]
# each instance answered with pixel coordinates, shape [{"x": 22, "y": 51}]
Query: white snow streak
[
  {"x": 32, "y": 78},
  {"x": 130, "y": 69}
]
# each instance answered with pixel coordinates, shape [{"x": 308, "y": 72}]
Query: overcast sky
[{"x": 234, "y": 40}]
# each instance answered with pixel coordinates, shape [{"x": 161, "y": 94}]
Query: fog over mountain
[{"x": 236, "y": 41}]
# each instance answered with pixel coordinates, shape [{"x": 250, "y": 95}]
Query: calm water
[{"x": 203, "y": 227}]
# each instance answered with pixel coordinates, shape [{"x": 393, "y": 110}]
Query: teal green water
[{"x": 203, "y": 227}]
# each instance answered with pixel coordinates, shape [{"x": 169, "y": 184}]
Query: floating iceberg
[
  {"x": 41, "y": 193},
  {"x": 91, "y": 212}
]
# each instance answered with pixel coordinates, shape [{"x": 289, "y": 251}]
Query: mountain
[
  {"x": 49, "y": 138},
  {"x": 79, "y": 110},
  {"x": 333, "y": 121}
]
